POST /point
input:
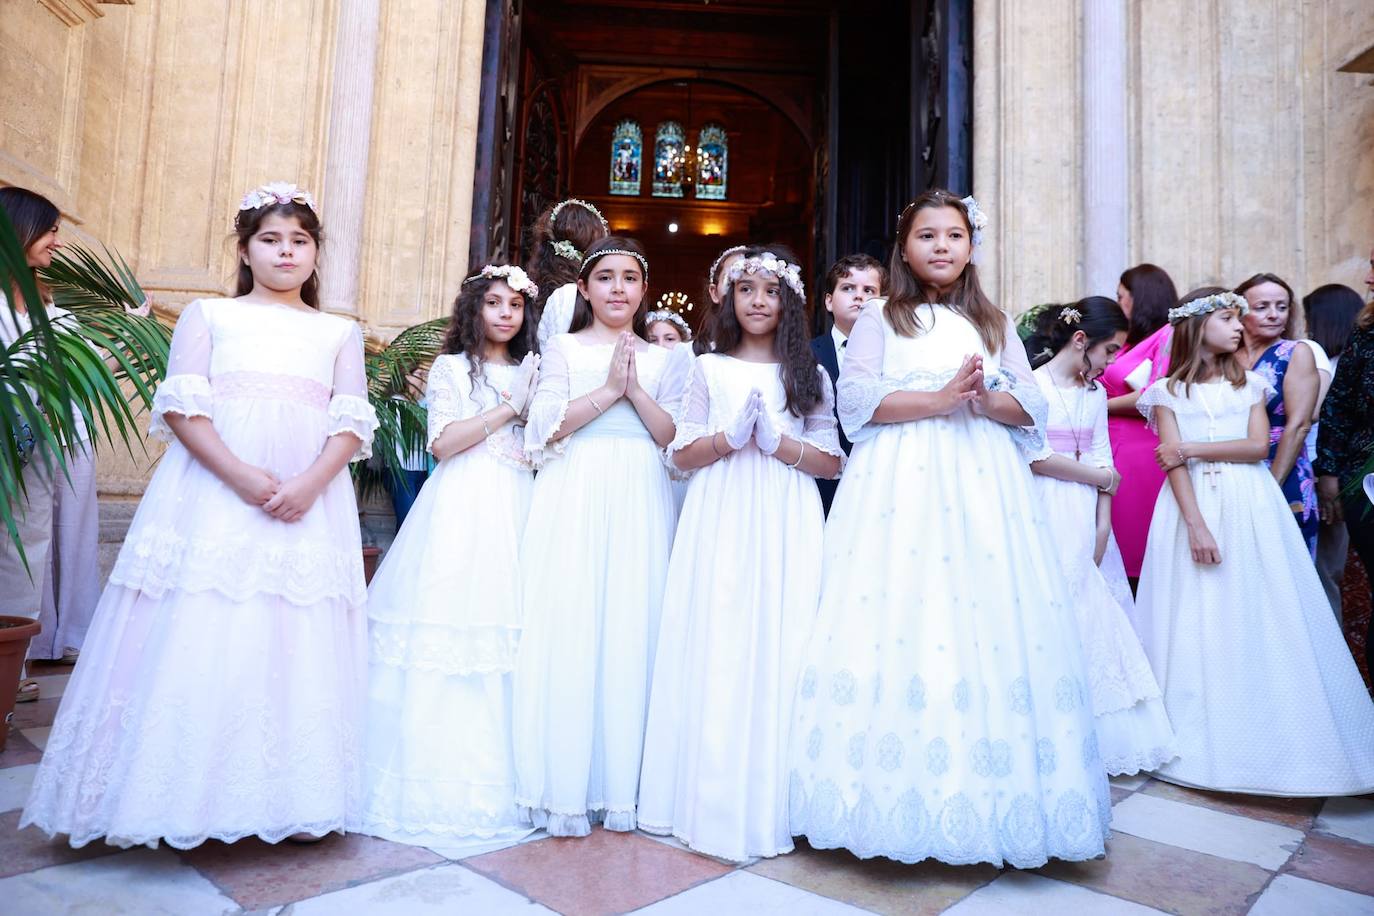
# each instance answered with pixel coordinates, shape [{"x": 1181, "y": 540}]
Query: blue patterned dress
[{"x": 1300, "y": 486}]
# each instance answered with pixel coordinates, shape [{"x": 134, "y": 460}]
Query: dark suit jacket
[{"x": 824, "y": 348}]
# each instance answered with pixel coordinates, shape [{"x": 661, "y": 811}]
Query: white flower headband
[
  {"x": 579, "y": 203},
  {"x": 771, "y": 264},
  {"x": 276, "y": 192},
  {"x": 565, "y": 249},
  {"x": 672, "y": 318},
  {"x": 514, "y": 277},
  {"x": 598, "y": 255},
  {"x": 1208, "y": 304},
  {"x": 715, "y": 265}
]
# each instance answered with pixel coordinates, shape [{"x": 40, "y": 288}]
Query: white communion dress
[
  {"x": 943, "y": 709},
  {"x": 1258, "y": 681},
  {"x": 220, "y": 691},
  {"x": 1133, "y": 731},
  {"x": 741, "y": 597},
  {"x": 593, "y": 562},
  {"x": 557, "y": 315},
  {"x": 444, "y": 627}
]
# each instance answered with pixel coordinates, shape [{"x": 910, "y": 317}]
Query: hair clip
[
  {"x": 1070, "y": 315},
  {"x": 565, "y": 249},
  {"x": 277, "y": 192}
]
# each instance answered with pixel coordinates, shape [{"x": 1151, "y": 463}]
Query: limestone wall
[{"x": 1245, "y": 149}]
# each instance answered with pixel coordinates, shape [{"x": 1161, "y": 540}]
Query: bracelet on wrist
[
  {"x": 800, "y": 454},
  {"x": 718, "y": 452},
  {"x": 591, "y": 400},
  {"x": 485, "y": 427}
]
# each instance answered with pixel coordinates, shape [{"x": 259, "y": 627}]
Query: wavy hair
[
  {"x": 548, "y": 269},
  {"x": 467, "y": 332}
]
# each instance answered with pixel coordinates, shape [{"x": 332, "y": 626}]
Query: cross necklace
[
  {"x": 1210, "y": 470},
  {"x": 1074, "y": 422}
]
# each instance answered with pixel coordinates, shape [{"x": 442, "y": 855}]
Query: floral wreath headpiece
[
  {"x": 771, "y": 264},
  {"x": 715, "y": 265},
  {"x": 515, "y": 277},
  {"x": 578, "y": 202},
  {"x": 672, "y": 318},
  {"x": 1208, "y": 304},
  {"x": 565, "y": 249},
  {"x": 277, "y": 192},
  {"x": 598, "y": 255},
  {"x": 977, "y": 216}
]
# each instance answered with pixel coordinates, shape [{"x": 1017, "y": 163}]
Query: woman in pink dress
[{"x": 1145, "y": 293}]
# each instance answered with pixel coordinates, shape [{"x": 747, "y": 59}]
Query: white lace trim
[
  {"x": 444, "y": 648},
  {"x": 1031, "y": 440},
  {"x": 507, "y": 446},
  {"x": 857, "y": 399},
  {"x": 187, "y": 395},
  {"x": 1144, "y": 761},
  {"x": 156, "y": 561},
  {"x": 349, "y": 413},
  {"x": 542, "y": 415},
  {"x": 575, "y": 823}
]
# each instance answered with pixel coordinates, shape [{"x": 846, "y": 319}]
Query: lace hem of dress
[
  {"x": 151, "y": 839},
  {"x": 445, "y": 649},
  {"x": 452, "y": 828},
  {"x": 349, "y": 413},
  {"x": 573, "y": 823},
  {"x": 157, "y": 561},
  {"x": 187, "y": 395},
  {"x": 1140, "y": 762},
  {"x": 1031, "y": 440}
]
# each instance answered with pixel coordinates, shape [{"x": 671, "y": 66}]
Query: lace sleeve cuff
[
  {"x": 828, "y": 441},
  {"x": 349, "y": 413},
  {"x": 545, "y": 416},
  {"x": 1029, "y": 439},
  {"x": 188, "y": 395},
  {"x": 857, "y": 399}
]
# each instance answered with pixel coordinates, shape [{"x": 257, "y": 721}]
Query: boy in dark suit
[{"x": 853, "y": 280}]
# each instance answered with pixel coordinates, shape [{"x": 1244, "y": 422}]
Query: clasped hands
[
  {"x": 753, "y": 422},
  {"x": 1170, "y": 455},
  {"x": 967, "y": 387},
  {"x": 286, "y": 502},
  {"x": 522, "y": 389}
]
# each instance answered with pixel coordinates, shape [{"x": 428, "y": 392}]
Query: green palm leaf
[{"x": 402, "y": 425}]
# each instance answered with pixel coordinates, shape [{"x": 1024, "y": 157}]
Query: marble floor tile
[
  {"x": 260, "y": 875},
  {"x": 1166, "y": 877},
  {"x": 30, "y": 849},
  {"x": 51, "y": 686},
  {"x": 38, "y": 736},
  {"x": 1297, "y": 813},
  {"x": 1204, "y": 830},
  {"x": 1130, "y": 783},
  {"x": 606, "y": 872},
  {"x": 19, "y": 749},
  {"x": 1289, "y": 895},
  {"x": 674, "y": 843},
  {"x": 468, "y": 850},
  {"x": 880, "y": 885},
  {"x": 35, "y": 714},
  {"x": 442, "y": 889},
  {"x": 1034, "y": 895},
  {"x": 742, "y": 892},
  {"x": 1337, "y": 861},
  {"x": 15, "y": 783},
  {"x": 1352, "y": 818},
  {"x": 140, "y": 882}
]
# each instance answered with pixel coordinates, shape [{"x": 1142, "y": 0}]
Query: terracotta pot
[
  {"x": 370, "y": 560},
  {"x": 15, "y": 633}
]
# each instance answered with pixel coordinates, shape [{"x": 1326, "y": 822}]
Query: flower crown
[
  {"x": 277, "y": 192},
  {"x": 1208, "y": 304},
  {"x": 977, "y": 216},
  {"x": 769, "y": 263},
  {"x": 715, "y": 265},
  {"x": 598, "y": 255},
  {"x": 565, "y": 249},
  {"x": 672, "y": 318},
  {"x": 515, "y": 278},
  {"x": 558, "y": 208}
]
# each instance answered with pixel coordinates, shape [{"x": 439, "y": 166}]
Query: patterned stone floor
[{"x": 1173, "y": 851}]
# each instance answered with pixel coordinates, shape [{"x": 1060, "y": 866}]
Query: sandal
[
  {"x": 69, "y": 656},
  {"x": 28, "y": 691}
]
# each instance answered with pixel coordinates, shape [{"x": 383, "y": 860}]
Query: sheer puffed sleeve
[
  {"x": 1156, "y": 396},
  {"x": 1100, "y": 452},
  {"x": 672, "y": 387},
  {"x": 186, "y": 389},
  {"x": 1015, "y": 378},
  {"x": 557, "y": 317},
  {"x": 1257, "y": 388},
  {"x": 349, "y": 409},
  {"x": 447, "y": 395},
  {"x": 694, "y": 417},
  {"x": 862, "y": 386},
  {"x": 819, "y": 428},
  {"x": 549, "y": 404}
]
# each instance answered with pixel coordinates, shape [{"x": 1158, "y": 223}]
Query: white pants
[
  {"x": 21, "y": 589},
  {"x": 73, "y": 581}
]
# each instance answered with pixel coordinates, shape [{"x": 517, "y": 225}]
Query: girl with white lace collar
[
  {"x": 1076, "y": 344},
  {"x": 444, "y": 607},
  {"x": 745, "y": 574},
  {"x": 221, "y": 689},
  {"x": 595, "y": 552},
  {"x": 1256, "y": 675},
  {"x": 941, "y": 709}
]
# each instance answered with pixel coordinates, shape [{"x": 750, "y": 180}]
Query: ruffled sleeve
[
  {"x": 672, "y": 387},
  {"x": 694, "y": 417},
  {"x": 349, "y": 409},
  {"x": 1157, "y": 395},
  {"x": 819, "y": 428},
  {"x": 1015, "y": 378},
  {"x": 186, "y": 389},
  {"x": 1257, "y": 388},
  {"x": 862, "y": 386},
  {"x": 447, "y": 395},
  {"x": 557, "y": 317},
  {"x": 549, "y": 404}
]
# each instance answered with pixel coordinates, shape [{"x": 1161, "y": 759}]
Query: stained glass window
[
  {"x": 627, "y": 144},
  {"x": 713, "y": 162},
  {"x": 668, "y": 159}
]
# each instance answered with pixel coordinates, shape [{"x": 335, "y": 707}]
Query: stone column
[
  {"x": 1106, "y": 180},
  {"x": 346, "y": 156}
]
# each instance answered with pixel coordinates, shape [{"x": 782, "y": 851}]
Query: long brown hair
[
  {"x": 1188, "y": 358},
  {"x": 547, "y": 268},
  {"x": 1152, "y": 295},
  {"x": 906, "y": 292},
  {"x": 467, "y": 332},
  {"x": 246, "y": 225},
  {"x": 582, "y": 309},
  {"x": 1295, "y": 328}
]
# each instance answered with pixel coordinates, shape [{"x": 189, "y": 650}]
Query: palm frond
[
  {"x": 402, "y": 426},
  {"x": 79, "y": 278}
]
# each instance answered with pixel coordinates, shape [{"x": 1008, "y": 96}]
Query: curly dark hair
[
  {"x": 467, "y": 333},
  {"x": 791, "y": 341},
  {"x": 548, "y": 269}
]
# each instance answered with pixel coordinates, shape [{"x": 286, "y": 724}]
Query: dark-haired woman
[
  {"x": 1273, "y": 349},
  {"x": 1145, "y": 293}
]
